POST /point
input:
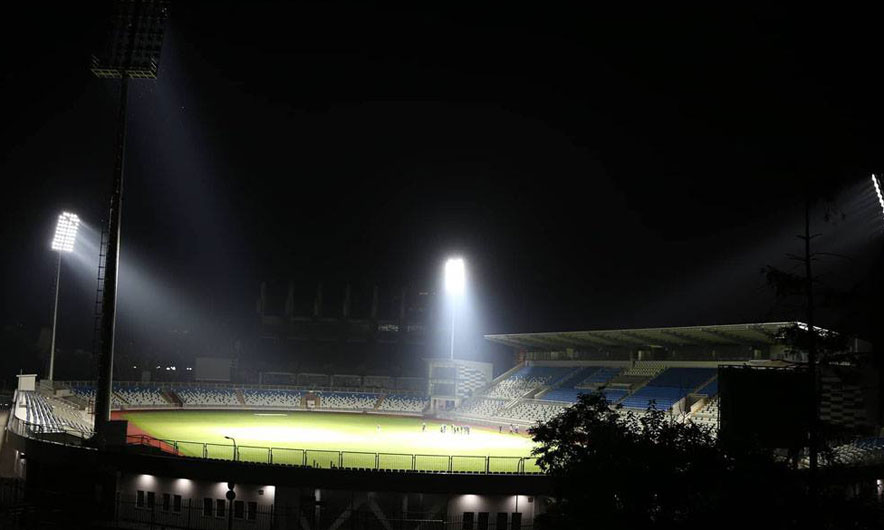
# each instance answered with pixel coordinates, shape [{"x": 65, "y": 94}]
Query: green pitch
[{"x": 333, "y": 439}]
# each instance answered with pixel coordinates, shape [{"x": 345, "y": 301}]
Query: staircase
[
  {"x": 116, "y": 396},
  {"x": 239, "y": 396},
  {"x": 377, "y": 404},
  {"x": 172, "y": 398}
]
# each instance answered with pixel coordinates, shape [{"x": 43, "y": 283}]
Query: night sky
[{"x": 598, "y": 169}]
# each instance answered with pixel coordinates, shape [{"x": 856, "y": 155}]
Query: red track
[{"x": 134, "y": 434}]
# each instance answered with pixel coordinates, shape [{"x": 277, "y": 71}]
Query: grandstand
[
  {"x": 133, "y": 395},
  {"x": 261, "y": 398},
  {"x": 529, "y": 378},
  {"x": 675, "y": 368},
  {"x": 199, "y": 396},
  {"x": 669, "y": 387},
  {"x": 481, "y": 407},
  {"x": 537, "y": 391},
  {"x": 531, "y": 411},
  {"x": 348, "y": 400},
  {"x": 51, "y": 415},
  {"x": 406, "y": 403},
  {"x": 140, "y": 396},
  {"x": 665, "y": 367},
  {"x": 707, "y": 413}
]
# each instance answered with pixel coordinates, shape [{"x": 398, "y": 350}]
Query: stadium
[
  {"x": 362, "y": 390},
  {"x": 464, "y": 432}
]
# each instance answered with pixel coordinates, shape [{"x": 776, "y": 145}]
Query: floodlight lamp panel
[
  {"x": 877, "y": 183},
  {"x": 66, "y": 232},
  {"x": 455, "y": 276}
]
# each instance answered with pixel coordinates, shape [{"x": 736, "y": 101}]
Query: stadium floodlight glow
[
  {"x": 65, "y": 238},
  {"x": 877, "y": 183},
  {"x": 455, "y": 281},
  {"x": 66, "y": 232},
  {"x": 454, "y": 276}
]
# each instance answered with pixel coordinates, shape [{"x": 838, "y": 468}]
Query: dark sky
[{"x": 597, "y": 168}]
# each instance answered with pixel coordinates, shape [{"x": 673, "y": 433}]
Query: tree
[
  {"x": 818, "y": 345},
  {"x": 618, "y": 470}
]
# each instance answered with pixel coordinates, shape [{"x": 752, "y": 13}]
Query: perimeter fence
[{"x": 354, "y": 460}]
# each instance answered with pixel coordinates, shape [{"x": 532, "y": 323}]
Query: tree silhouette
[{"x": 617, "y": 470}]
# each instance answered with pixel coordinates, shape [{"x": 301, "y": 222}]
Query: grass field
[{"x": 334, "y": 439}]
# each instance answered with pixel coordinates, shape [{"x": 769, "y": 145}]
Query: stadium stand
[
  {"x": 645, "y": 369},
  {"x": 614, "y": 395},
  {"x": 87, "y": 392},
  {"x": 591, "y": 378},
  {"x": 197, "y": 396},
  {"x": 141, "y": 396},
  {"x": 863, "y": 451},
  {"x": 52, "y": 415},
  {"x": 709, "y": 389},
  {"x": 272, "y": 398},
  {"x": 708, "y": 415},
  {"x": 599, "y": 377},
  {"x": 567, "y": 394},
  {"x": 667, "y": 388},
  {"x": 527, "y": 379},
  {"x": 531, "y": 411},
  {"x": 403, "y": 403},
  {"x": 347, "y": 400},
  {"x": 530, "y": 393},
  {"x": 481, "y": 407},
  {"x": 566, "y": 390}
]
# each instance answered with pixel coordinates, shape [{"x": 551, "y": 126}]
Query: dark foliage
[
  {"x": 797, "y": 338},
  {"x": 618, "y": 471}
]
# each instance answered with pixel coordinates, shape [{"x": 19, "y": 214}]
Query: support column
[
  {"x": 54, "y": 318},
  {"x": 112, "y": 260}
]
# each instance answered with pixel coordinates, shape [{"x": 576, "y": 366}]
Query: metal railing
[
  {"x": 47, "y": 432},
  {"x": 354, "y": 460}
]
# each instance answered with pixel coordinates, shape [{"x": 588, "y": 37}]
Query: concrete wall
[
  {"x": 193, "y": 493},
  {"x": 288, "y": 507}
]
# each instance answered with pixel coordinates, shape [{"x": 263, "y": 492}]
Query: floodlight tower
[
  {"x": 131, "y": 51},
  {"x": 63, "y": 242},
  {"x": 455, "y": 280}
]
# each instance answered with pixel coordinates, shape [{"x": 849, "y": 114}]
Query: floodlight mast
[
  {"x": 132, "y": 50},
  {"x": 454, "y": 285},
  {"x": 64, "y": 240}
]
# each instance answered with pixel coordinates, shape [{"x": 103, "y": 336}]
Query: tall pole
[
  {"x": 453, "y": 310},
  {"x": 112, "y": 260},
  {"x": 54, "y": 317},
  {"x": 813, "y": 441}
]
